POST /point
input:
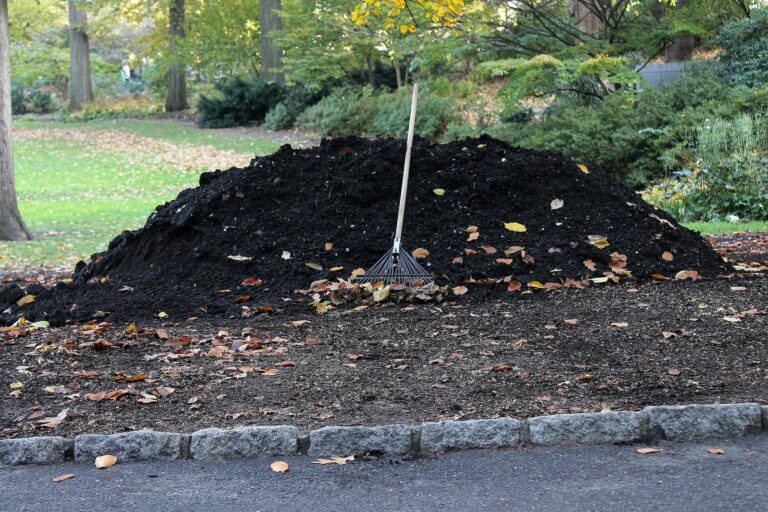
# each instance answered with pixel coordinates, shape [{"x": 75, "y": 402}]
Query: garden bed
[{"x": 617, "y": 347}]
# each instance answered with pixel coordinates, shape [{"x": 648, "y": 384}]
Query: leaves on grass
[
  {"x": 649, "y": 450},
  {"x": 334, "y": 460},
  {"x": 105, "y": 461},
  {"x": 515, "y": 227},
  {"x": 279, "y": 466}
]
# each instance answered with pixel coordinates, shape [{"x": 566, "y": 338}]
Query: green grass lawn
[{"x": 714, "y": 228}]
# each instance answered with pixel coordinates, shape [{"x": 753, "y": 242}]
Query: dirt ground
[{"x": 613, "y": 347}]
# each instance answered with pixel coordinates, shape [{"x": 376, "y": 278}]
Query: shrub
[
  {"x": 243, "y": 101},
  {"x": 729, "y": 175},
  {"x": 115, "y": 108},
  {"x": 278, "y": 118},
  {"x": 744, "y": 44},
  {"x": 339, "y": 113},
  {"x": 18, "y": 100},
  {"x": 31, "y": 100}
]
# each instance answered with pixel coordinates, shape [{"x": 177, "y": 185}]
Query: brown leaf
[
  {"x": 470, "y": 252},
  {"x": 687, "y": 274},
  {"x": 459, "y": 290},
  {"x": 105, "y": 461},
  {"x": 502, "y": 368},
  {"x": 279, "y": 466},
  {"x": 114, "y": 395},
  {"x": 646, "y": 451},
  {"x": 488, "y": 249},
  {"x": 584, "y": 378},
  {"x": 61, "y": 478},
  {"x": 471, "y": 229},
  {"x": 458, "y": 260},
  {"x": 514, "y": 286},
  {"x": 504, "y": 261},
  {"x": 314, "y": 266},
  {"x": 620, "y": 325},
  {"x": 251, "y": 281},
  {"x": 674, "y": 371},
  {"x": 137, "y": 378},
  {"x": 355, "y": 357},
  {"x": 716, "y": 451},
  {"x": 334, "y": 460},
  {"x": 286, "y": 364},
  {"x": 590, "y": 265},
  {"x": 328, "y": 246},
  {"x": 420, "y": 253},
  {"x": 269, "y": 372},
  {"x": 571, "y": 321},
  {"x": 667, "y": 256},
  {"x": 509, "y": 251},
  {"x": 473, "y": 236},
  {"x": 95, "y": 396}
]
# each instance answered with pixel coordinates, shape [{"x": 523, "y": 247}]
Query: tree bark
[
  {"x": 177, "y": 77},
  {"x": 79, "y": 58},
  {"x": 680, "y": 49},
  {"x": 271, "y": 54},
  {"x": 12, "y": 227},
  {"x": 584, "y": 17},
  {"x": 399, "y": 80}
]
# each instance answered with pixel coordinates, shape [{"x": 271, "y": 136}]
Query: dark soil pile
[{"x": 271, "y": 219}]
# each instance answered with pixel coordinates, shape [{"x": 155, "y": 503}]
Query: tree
[
  {"x": 271, "y": 53},
  {"x": 12, "y": 227},
  {"x": 81, "y": 90},
  {"x": 177, "y": 74}
]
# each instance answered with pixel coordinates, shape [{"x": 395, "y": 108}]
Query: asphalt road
[{"x": 684, "y": 477}]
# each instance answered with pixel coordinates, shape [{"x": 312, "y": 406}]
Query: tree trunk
[
  {"x": 371, "y": 75},
  {"x": 271, "y": 54},
  {"x": 680, "y": 49},
  {"x": 11, "y": 225},
  {"x": 399, "y": 80},
  {"x": 584, "y": 18},
  {"x": 79, "y": 58},
  {"x": 177, "y": 76}
]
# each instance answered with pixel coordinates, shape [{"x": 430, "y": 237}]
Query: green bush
[
  {"x": 744, "y": 45},
  {"x": 284, "y": 114},
  {"x": 243, "y": 101},
  {"x": 638, "y": 137},
  {"x": 353, "y": 111},
  {"x": 33, "y": 100},
  {"x": 728, "y": 176},
  {"x": 278, "y": 118},
  {"x": 18, "y": 100}
]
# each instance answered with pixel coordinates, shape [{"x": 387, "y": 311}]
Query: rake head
[{"x": 397, "y": 267}]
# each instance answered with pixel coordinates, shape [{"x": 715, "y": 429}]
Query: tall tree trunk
[
  {"x": 271, "y": 54},
  {"x": 582, "y": 15},
  {"x": 79, "y": 58},
  {"x": 680, "y": 49},
  {"x": 399, "y": 80},
  {"x": 371, "y": 75},
  {"x": 177, "y": 77},
  {"x": 11, "y": 225}
]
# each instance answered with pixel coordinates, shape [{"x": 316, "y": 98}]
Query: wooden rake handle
[{"x": 406, "y": 170}]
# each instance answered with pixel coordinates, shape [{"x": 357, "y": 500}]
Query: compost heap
[{"x": 493, "y": 218}]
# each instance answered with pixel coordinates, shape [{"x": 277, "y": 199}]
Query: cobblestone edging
[{"x": 673, "y": 422}]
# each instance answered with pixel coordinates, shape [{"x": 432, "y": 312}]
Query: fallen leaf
[
  {"x": 55, "y": 421},
  {"x": 279, "y": 466},
  {"x": 502, "y": 368},
  {"x": 459, "y": 290},
  {"x": 16, "y": 385},
  {"x": 458, "y": 260},
  {"x": 439, "y": 192},
  {"x": 646, "y": 451},
  {"x": 687, "y": 274},
  {"x": 620, "y": 325},
  {"x": 471, "y": 229},
  {"x": 732, "y": 319},
  {"x": 314, "y": 266},
  {"x": 599, "y": 241},
  {"x": 285, "y": 255},
  {"x": 556, "y": 204},
  {"x": 381, "y": 294},
  {"x": 515, "y": 227},
  {"x": 583, "y": 168},
  {"x": 514, "y": 286},
  {"x": 286, "y": 364},
  {"x": 358, "y": 272},
  {"x": 162, "y": 314},
  {"x": 716, "y": 451},
  {"x": 584, "y": 378},
  {"x": 738, "y": 288},
  {"x": 667, "y": 256},
  {"x": 488, "y": 249},
  {"x": 355, "y": 357},
  {"x": 674, "y": 371},
  {"x": 61, "y": 478},
  {"x": 237, "y": 257},
  {"x": 27, "y": 299},
  {"x": 334, "y": 460},
  {"x": 470, "y": 252},
  {"x": 571, "y": 321},
  {"x": 659, "y": 276},
  {"x": 269, "y": 372},
  {"x": 336, "y": 269},
  {"x": 420, "y": 253},
  {"x": 474, "y": 235},
  {"x": 105, "y": 461},
  {"x": 535, "y": 284},
  {"x": 251, "y": 281},
  {"x": 137, "y": 378},
  {"x": 504, "y": 261}
]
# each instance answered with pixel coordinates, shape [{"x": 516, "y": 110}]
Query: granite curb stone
[
  {"x": 691, "y": 422},
  {"x": 587, "y": 428},
  {"x": 138, "y": 445},
  {"x": 35, "y": 450},
  {"x": 216, "y": 443},
  {"x": 462, "y": 435},
  {"x": 343, "y": 441}
]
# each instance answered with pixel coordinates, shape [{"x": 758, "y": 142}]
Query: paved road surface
[{"x": 684, "y": 477}]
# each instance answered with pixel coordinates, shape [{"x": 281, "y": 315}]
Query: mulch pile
[{"x": 299, "y": 216}]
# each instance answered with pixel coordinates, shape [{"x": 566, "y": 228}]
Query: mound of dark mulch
[{"x": 298, "y": 216}]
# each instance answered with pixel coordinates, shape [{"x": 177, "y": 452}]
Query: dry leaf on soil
[
  {"x": 716, "y": 451},
  {"x": 646, "y": 451},
  {"x": 515, "y": 227},
  {"x": 420, "y": 253},
  {"x": 61, "y": 478},
  {"x": 334, "y": 460}
]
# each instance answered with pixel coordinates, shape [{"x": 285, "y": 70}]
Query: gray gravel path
[{"x": 683, "y": 477}]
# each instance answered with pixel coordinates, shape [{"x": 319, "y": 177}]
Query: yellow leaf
[
  {"x": 439, "y": 191},
  {"x": 105, "y": 461},
  {"x": 16, "y": 385},
  {"x": 279, "y": 466},
  {"x": 381, "y": 294},
  {"x": 420, "y": 253},
  {"x": 535, "y": 284},
  {"x": 25, "y": 300},
  {"x": 163, "y": 314},
  {"x": 336, "y": 269},
  {"x": 515, "y": 227},
  {"x": 583, "y": 168}
]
